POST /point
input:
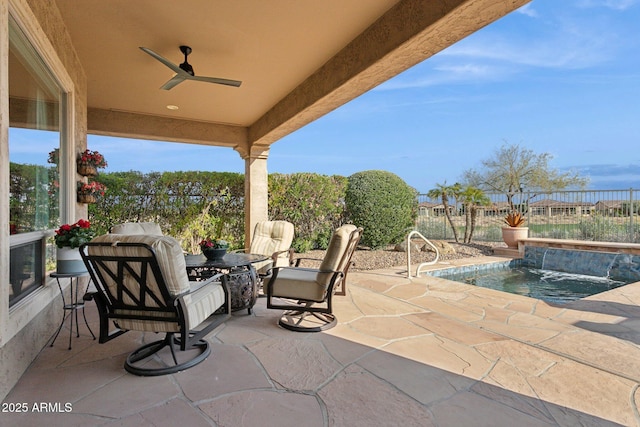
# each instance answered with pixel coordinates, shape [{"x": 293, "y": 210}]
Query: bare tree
[{"x": 514, "y": 169}]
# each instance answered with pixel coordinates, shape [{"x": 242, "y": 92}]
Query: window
[{"x": 35, "y": 101}]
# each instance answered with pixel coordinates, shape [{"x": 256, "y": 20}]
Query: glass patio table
[{"x": 239, "y": 274}]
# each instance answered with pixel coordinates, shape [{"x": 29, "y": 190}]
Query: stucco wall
[{"x": 26, "y": 330}]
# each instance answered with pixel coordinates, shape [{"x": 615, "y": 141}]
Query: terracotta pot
[
  {"x": 69, "y": 261},
  {"x": 511, "y": 235}
]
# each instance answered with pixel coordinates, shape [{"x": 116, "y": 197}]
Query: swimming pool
[
  {"x": 552, "y": 275},
  {"x": 546, "y": 285}
]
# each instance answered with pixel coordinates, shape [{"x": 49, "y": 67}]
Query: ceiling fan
[{"x": 185, "y": 71}]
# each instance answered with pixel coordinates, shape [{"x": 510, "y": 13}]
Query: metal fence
[{"x": 603, "y": 215}]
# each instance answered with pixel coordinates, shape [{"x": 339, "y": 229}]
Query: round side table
[{"x": 73, "y": 306}]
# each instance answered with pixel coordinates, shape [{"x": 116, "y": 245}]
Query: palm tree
[
  {"x": 444, "y": 192},
  {"x": 472, "y": 198}
]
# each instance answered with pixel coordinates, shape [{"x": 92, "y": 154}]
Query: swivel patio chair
[
  {"x": 142, "y": 285},
  {"x": 272, "y": 239},
  {"x": 306, "y": 293}
]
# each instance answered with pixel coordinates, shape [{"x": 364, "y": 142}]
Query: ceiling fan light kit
[{"x": 185, "y": 71}]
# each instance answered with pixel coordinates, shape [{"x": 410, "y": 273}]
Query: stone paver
[
  {"x": 421, "y": 351},
  {"x": 357, "y": 398},
  {"x": 265, "y": 408}
]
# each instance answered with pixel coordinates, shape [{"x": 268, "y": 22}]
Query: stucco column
[{"x": 256, "y": 189}]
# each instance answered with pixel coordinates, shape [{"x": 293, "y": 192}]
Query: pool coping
[
  {"x": 580, "y": 245},
  {"x": 615, "y": 247}
]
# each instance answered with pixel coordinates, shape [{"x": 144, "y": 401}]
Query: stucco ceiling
[
  {"x": 272, "y": 46},
  {"x": 290, "y": 55}
]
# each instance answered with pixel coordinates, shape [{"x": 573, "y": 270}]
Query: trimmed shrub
[{"x": 383, "y": 204}]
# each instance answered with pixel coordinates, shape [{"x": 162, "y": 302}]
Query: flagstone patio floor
[{"x": 406, "y": 352}]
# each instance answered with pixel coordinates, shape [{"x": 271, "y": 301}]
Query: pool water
[{"x": 551, "y": 286}]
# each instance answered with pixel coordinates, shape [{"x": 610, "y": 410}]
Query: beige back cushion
[
  {"x": 271, "y": 236},
  {"x": 150, "y": 228},
  {"x": 168, "y": 253},
  {"x": 334, "y": 258}
]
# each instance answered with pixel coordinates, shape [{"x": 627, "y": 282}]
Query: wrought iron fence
[{"x": 602, "y": 215}]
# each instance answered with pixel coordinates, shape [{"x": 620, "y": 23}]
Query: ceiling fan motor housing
[
  {"x": 186, "y": 50},
  {"x": 187, "y": 67}
]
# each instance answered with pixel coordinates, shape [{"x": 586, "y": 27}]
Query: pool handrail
[{"x": 409, "y": 236}]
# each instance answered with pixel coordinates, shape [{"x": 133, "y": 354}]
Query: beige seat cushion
[
  {"x": 150, "y": 228},
  {"x": 263, "y": 267},
  {"x": 200, "y": 305},
  {"x": 299, "y": 283},
  {"x": 311, "y": 284}
]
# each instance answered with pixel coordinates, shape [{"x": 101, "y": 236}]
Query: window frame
[{"x": 15, "y": 318}]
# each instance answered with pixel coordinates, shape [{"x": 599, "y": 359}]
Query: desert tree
[{"x": 514, "y": 169}]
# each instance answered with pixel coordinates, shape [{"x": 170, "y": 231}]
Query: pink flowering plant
[
  {"x": 74, "y": 235},
  {"x": 213, "y": 244},
  {"x": 93, "y": 158},
  {"x": 91, "y": 188}
]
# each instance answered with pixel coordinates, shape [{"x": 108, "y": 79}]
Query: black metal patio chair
[{"x": 142, "y": 285}]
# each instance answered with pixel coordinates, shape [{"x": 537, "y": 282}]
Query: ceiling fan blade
[
  {"x": 174, "y": 81},
  {"x": 165, "y": 61},
  {"x": 182, "y": 75},
  {"x": 235, "y": 83}
]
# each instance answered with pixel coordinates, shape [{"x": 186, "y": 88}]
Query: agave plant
[{"x": 514, "y": 219}]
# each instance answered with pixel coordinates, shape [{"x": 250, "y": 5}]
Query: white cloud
[
  {"x": 573, "y": 46},
  {"x": 528, "y": 10},
  {"x": 556, "y": 40},
  {"x": 449, "y": 72},
  {"x": 610, "y": 4}
]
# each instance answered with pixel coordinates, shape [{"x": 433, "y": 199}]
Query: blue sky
[{"x": 556, "y": 76}]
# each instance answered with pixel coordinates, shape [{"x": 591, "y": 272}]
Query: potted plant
[
  {"x": 214, "y": 248},
  {"x": 89, "y": 191},
  {"x": 514, "y": 230},
  {"x": 89, "y": 162},
  {"x": 68, "y": 238}
]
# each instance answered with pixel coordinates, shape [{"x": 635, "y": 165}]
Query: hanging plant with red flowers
[
  {"x": 92, "y": 158},
  {"x": 92, "y": 188}
]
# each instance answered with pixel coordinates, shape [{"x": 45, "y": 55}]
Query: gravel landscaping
[{"x": 365, "y": 259}]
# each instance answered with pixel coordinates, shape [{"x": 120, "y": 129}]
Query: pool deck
[{"x": 411, "y": 352}]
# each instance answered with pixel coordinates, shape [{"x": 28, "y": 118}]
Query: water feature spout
[{"x": 598, "y": 264}]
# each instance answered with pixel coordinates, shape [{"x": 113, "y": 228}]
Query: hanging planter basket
[
  {"x": 86, "y": 198},
  {"x": 86, "y": 169}
]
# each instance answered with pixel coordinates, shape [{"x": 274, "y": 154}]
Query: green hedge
[
  {"x": 193, "y": 205},
  {"x": 186, "y": 205}
]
